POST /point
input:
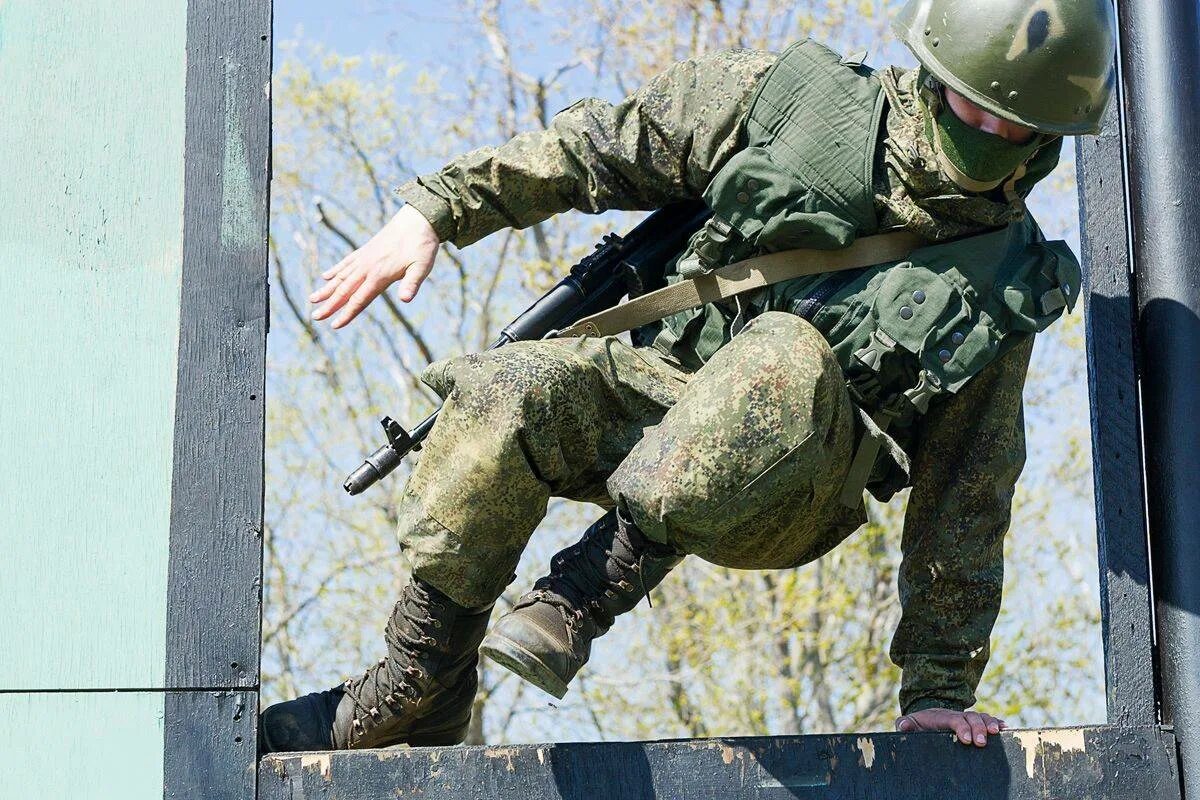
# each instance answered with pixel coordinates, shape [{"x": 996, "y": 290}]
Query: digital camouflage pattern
[
  {"x": 570, "y": 418},
  {"x": 912, "y": 192},
  {"x": 661, "y": 144},
  {"x": 519, "y": 424},
  {"x": 743, "y": 469},
  {"x": 746, "y": 468},
  {"x": 968, "y": 453}
]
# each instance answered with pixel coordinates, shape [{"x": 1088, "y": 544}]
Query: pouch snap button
[
  {"x": 957, "y": 337},
  {"x": 918, "y": 296},
  {"x": 944, "y": 355},
  {"x": 743, "y": 198},
  {"x": 753, "y": 185},
  {"x": 906, "y": 312}
]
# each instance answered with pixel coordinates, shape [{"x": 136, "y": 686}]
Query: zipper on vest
[{"x": 833, "y": 284}]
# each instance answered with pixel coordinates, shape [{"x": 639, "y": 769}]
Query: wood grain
[
  {"x": 214, "y": 607},
  {"x": 1110, "y": 331},
  {"x": 1054, "y": 764},
  {"x": 91, "y": 166}
]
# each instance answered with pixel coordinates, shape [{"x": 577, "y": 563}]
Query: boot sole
[
  {"x": 523, "y": 664},
  {"x": 443, "y": 738}
]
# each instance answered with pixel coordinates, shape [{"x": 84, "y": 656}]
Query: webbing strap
[
  {"x": 743, "y": 276},
  {"x": 864, "y": 460}
]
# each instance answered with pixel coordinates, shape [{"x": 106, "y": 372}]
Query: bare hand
[
  {"x": 969, "y": 726},
  {"x": 403, "y": 251}
]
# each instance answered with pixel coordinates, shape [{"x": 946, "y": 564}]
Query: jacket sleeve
[
  {"x": 662, "y": 143},
  {"x": 971, "y": 451}
]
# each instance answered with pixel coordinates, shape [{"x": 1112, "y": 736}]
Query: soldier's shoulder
[{"x": 738, "y": 59}]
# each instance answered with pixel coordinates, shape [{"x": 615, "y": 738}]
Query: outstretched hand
[
  {"x": 970, "y": 727},
  {"x": 402, "y": 251}
]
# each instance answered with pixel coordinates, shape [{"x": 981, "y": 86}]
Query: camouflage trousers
[{"x": 740, "y": 463}]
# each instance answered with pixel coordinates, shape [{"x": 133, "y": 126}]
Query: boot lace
[
  {"x": 393, "y": 681},
  {"x": 582, "y": 575}
]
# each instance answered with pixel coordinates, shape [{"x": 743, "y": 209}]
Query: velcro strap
[{"x": 743, "y": 276}]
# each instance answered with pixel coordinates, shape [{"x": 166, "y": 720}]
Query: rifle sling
[{"x": 742, "y": 276}]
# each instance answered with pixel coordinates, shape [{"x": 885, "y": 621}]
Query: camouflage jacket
[{"x": 664, "y": 143}]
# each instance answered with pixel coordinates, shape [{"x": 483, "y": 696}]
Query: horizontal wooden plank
[
  {"x": 82, "y": 745},
  {"x": 1068, "y": 763}
]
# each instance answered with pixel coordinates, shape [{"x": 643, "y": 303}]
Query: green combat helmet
[{"x": 1046, "y": 64}]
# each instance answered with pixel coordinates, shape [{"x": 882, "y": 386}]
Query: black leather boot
[
  {"x": 420, "y": 694},
  {"x": 548, "y": 635}
]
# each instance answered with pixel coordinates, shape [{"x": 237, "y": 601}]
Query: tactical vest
[{"x": 904, "y": 332}]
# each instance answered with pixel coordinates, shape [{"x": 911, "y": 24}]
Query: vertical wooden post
[
  {"x": 1122, "y": 547},
  {"x": 214, "y": 607}
]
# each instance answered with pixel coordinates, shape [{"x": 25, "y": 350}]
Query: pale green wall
[
  {"x": 91, "y": 215},
  {"x": 82, "y": 745}
]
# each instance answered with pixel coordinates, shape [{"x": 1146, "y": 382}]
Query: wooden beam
[
  {"x": 209, "y": 745},
  {"x": 214, "y": 579},
  {"x": 1128, "y": 763},
  {"x": 1122, "y": 545}
]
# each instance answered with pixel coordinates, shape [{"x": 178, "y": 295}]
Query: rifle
[{"x": 631, "y": 265}]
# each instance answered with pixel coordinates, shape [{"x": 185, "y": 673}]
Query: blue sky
[{"x": 353, "y": 26}]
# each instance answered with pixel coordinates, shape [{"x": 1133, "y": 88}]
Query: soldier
[{"x": 747, "y": 432}]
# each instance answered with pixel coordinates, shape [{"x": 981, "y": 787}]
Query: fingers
[
  {"x": 338, "y": 267},
  {"x": 979, "y": 729},
  {"x": 962, "y": 728},
  {"x": 334, "y": 276},
  {"x": 367, "y": 291},
  {"x": 345, "y": 288},
  {"x": 414, "y": 276},
  {"x": 322, "y": 294},
  {"x": 969, "y": 727}
]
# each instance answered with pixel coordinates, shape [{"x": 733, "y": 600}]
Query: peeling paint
[
  {"x": 319, "y": 761},
  {"x": 727, "y": 754},
  {"x": 238, "y": 219},
  {"x": 505, "y": 753},
  {"x": 1029, "y": 741},
  {"x": 867, "y": 748},
  {"x": 1068, "y": 740}
]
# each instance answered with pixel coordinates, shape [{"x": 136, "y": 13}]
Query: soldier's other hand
[
  {"x": 969, "y": 727},
  {"x": 402, "y": 251}
]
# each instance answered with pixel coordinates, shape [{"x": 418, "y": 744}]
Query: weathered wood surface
[
  {"x": 1116, "y": 432},
  {"x": 214, "y": 591},
  {"x": 209, "y": 745},
  {"x": 91, "y": 165},
  {"x": 81, "y": 745},
  {"x": 1104, "y": 763}
]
